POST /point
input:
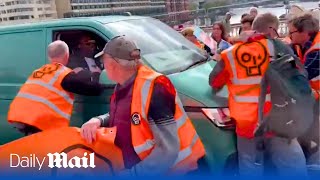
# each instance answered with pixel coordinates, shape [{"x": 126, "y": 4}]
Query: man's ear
[{"x": 66, "y": 56}]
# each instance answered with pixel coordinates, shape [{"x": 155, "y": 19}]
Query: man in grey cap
[{"x": 145, "y": 110}]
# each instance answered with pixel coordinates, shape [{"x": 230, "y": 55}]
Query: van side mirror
[{"x": 106, "y": 81}]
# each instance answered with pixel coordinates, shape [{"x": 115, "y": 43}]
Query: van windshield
[{"x": 162, "y": 48}]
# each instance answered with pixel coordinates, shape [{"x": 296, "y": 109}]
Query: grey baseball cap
[{"x": 121, "y": 47}]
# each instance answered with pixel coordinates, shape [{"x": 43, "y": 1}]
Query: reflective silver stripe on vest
[
  {"x": 271, "y": 50},
  {"x": 144, "y": 94},
  {"x": 232, "y": 63},
  {"x": 250, "y": 99},
  {"x": 183, "y": 119},
  {"x": 316, "y": 78},
  {"x": 51, "y": 88},
  {"x": 246, "y": 99},
  {"x": 44, "y": 101},
  {"x": 268, "y": 97},
  {"x": 247, "y": 81},
  {"x": 144, "y": 147},
  {"x": 56, "y": 76},
  {"x": 185, "y": 153}
]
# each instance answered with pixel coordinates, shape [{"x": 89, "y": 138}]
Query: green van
[{"x": 23, "y": 49}]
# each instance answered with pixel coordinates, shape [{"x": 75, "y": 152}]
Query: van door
[
  {"x": 85, "y": 107},
  {"x": 22, "y": 51}
]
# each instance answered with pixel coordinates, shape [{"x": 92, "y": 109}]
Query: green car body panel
[{"x": 23, "y": 49}]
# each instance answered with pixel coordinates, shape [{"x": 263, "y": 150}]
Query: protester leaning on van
[
  {"x": 153, "y": 130},
  {"x": 238, "y": 69},
  {"x": 45, "y": 100},
  {"x": 304, "y": 32}
]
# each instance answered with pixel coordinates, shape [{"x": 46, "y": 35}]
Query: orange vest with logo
[
  {"x": 108, "y": 158},
  {"x": 314, "y": 47},
  {"x": 191, "y": 147},
  {"x": 246, "y": 63},
  {"x": 50, "y": 105}
]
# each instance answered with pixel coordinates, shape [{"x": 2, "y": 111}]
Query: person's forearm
[
  {"x": 165, "y": 153},
  {"x": 80, "y": 83},
  {"x": 218, "y": 76},
  {"x": 86, "y": 90}
]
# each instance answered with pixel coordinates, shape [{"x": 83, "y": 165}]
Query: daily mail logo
[{"x": 55, "y": 160}]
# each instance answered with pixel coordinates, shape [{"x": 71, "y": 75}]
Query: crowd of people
[
  {"x": 291, "y": 157},
  {"x": 153, "y": 130}
]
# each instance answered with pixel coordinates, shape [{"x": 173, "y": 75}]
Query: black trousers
[{"x": 27, "y": 129}]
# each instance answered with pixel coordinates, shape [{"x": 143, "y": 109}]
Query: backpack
[{"x": 291, "y": 114}]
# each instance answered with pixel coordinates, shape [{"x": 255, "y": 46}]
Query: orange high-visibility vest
[
  {"x": 41, "y": 101},
  {"x": 246, "y": 63},
  {"x": 199, "y": 45},
  {"x": 299, "y": 54},
  {"x": 107, "y": 156},
  {"x": 191, "y": 147},
  {"x": 314, "y": 82}
]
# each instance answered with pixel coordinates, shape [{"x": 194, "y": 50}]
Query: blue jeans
[{"x": 286, "y": 156}]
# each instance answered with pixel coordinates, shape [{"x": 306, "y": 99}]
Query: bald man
[{"x": 45, "y": 101}]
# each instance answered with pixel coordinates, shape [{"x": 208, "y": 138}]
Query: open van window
[
  {"x": 83, "y": 45},
  {"x": 162, "y": 48}
]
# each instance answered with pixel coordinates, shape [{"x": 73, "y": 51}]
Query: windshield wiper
[{"x": 206, "y": 59}]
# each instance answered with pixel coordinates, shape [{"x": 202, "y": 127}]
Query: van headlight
[{"x": 219, "y": 116}]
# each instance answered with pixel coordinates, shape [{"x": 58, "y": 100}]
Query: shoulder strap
[
  {"x": 263, "y": 92},
  {"x": 284, "y": 49}
]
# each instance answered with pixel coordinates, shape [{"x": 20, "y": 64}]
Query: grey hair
[
  {"x": 263, "y": 22},
  {"x": 57, "y": 49},
  {"x": 305, "y": 22},
  {"x": 129, "y": 65}
]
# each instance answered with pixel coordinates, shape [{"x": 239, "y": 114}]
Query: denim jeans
[{"x": 286, "y": 157}]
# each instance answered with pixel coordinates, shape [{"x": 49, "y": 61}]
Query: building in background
[
  {"x": 22, "y": 11},
  {"x": 80, "y": 8},
  {"x": 178, "y": 10}
]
